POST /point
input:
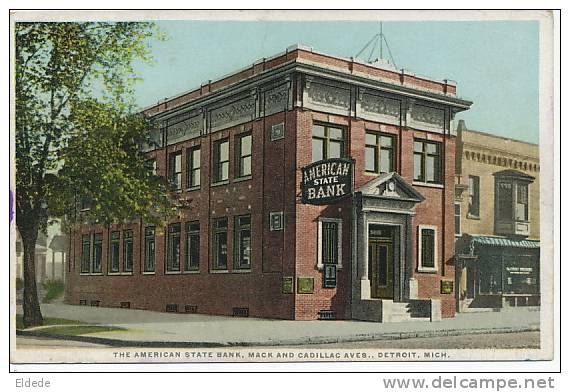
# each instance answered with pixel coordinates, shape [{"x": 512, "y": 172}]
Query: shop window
[
  {"x": 242, "y": 259},
  {"x": 173, "y": 256},
  {"x": 85, "y": 253},
  {"x": 457, "y": 215},
  {"x": 379, "y": 154},
  {"x": 221, "y": 164},
  {"x": 328, "y": 142},
  {"x": 193, "y": 167},
  {"x": 175, "y": 170},
  {"x": 128, "y": 251},
  {"x": 521, "y": 274},
  {"x": 243, "y": 156},
  {"x": 329, "y": 249},
  {"x": 114, "y": 251},
  {"x": 192, "y": 246},
  {"x": 427, "y": 162},
  {"x": 427, "y": 249},
  {"x": 474, "y": 197},
  {"x": 220, "y": 244},
  {"x": 149, "y": 249}
]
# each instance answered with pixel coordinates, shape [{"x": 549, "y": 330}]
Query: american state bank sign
[{"x": 327, "y": 181}]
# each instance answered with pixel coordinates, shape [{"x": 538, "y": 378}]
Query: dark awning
[{"x": 502, "y": 241}]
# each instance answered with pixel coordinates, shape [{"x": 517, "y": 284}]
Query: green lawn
[
  {"x": 61, "y": 326},
  {"x": 47, "y": 321}
]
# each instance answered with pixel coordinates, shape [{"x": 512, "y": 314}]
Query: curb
[{"x": 286, "y": 342}]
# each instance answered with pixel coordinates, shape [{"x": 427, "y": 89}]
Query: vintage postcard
[{"x": 283, "y": 186}]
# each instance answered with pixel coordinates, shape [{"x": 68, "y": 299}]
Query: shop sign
[
  {"x": 329, "y": 276},
  {"x": 446, "y": 286},
  {"x": 327, "y": 181}
]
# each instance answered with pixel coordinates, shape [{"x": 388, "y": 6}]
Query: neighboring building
[
  {"x": 49, "y": 259},
  {"x": 247, "y": 244},
  {"x": 498, "y": 211}
]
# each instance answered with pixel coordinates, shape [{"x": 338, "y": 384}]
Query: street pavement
[{"x": 195, "y": 329}]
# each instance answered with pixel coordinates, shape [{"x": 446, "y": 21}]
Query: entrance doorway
[{"x": 381, "y": 261}]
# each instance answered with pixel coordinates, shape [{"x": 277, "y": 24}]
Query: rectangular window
[
  {"x": 505, "y": 200},
  {"x": 114, "y": 251},
  {"x": 97, "y": 252},
  {"x": 149, "y": 249},
  {"x": 243, "y": 156},
  {"x": 173, "y": 259},
  {"x": 379, "y": 154},
  {"x": 128, "y": 251},
  {"x": 328, "y": 142},
  {"x": 427, "y": 162},
  {"x": 329, "y": 242},
  {"x": 521, "y": 209},
  {"x": 220, "y": 244},
  {"x": 193, "y": 167},
  {"x": 242, "y": 242},
  {"x": 474, "y": 196},
  {"x": 427, "y": 249},
  {"x": 175, "y": 170},
  {"x": 192, "y": 246},
  {"x": 221, "y": 160},
  {"x": 85, "y": 253},
  {"x": 457, "y": 213}
]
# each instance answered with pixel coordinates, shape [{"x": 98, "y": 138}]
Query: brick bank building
[{"x": 250, "y": 241}]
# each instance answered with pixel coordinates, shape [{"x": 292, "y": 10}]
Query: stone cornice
[{"x": 295, "y": 66}]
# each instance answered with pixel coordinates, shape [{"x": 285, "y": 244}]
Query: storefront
[{"x": 499, "y": 272}]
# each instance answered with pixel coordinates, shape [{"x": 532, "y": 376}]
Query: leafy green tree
[{"x": 76, "y": 134}]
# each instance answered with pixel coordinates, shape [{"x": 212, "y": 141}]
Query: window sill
[
  {"x": 127, "y": 273},
  {"x": 224, "y": 182},
  {"x": 219, "y": 271},
  {"x": 241, "y": 271},
  {"x": 194, "y": 188},
  {"x": 191, "y": 272},
  {"x": 149, "y": 273},
  {"x": 474, "y": 217},
  {"x": 427, "y": 184},
  {"x": 371, "y": 174},
  {"x": 91, "y": 273},
  {"x": 172, "y": 273},
  {"x": 427, "y": 270},
  {"x": 113, "y": 273},
  {"x": 240, "y": 179}
]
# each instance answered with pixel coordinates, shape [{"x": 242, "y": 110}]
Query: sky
[{"x": 495, "y": 63}]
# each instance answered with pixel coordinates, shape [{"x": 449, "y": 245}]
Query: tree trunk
[{"x": 32, "y": 312}]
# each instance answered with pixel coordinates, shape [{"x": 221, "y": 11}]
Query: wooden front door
[{"x": 380, "y": 257}]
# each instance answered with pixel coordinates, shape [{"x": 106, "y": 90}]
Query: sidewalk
[{"x": 147, "y": 328}]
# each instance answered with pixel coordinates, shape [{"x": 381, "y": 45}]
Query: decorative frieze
[
  {"x": 276, "y": 100},
  {"x": 433, "y": 117},
  {"x": 383, "y": 106},
  {"x": 324, "y": 94},
  {"x": 233, "y": 113},
  {"x": 183, "y": 127}
]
